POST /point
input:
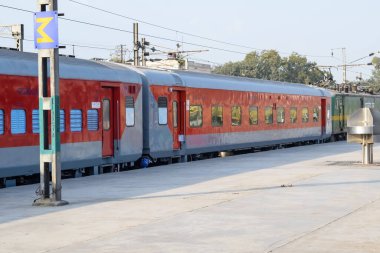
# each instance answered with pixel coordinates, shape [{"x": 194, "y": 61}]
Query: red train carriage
[
  {"x": 113, "y": 114},
  {"x": 192, "y": 113},
  {"x": 100, "y": 123}
]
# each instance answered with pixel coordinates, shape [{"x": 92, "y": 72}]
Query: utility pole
[
  {"x": 17, "y": 32},
  {"x": 136, "y": 45},
  {"x": 46, "y": 41},
  {"x": 143, "y": 60},
  {"x": 344, "y": 58},
  {"x": 144, "y": 53},
  {"x": 122, "y": 53}
]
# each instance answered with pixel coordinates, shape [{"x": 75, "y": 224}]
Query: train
[{"x": 117, "y": 115}]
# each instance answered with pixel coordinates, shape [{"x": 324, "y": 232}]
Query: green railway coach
[{"x": 344, "y": 104}]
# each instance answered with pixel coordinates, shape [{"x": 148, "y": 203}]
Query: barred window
[
  {"x": 293, "y": 115},
  {"x": 280, "y": 115},
  {"x": 129, "y": 111},
  {"x": 18, "y": 121},
  {"x": 269, "y": 115},
  {"x": 35, "y": 121},
  {"x": 62, "y": 121},
  {"x": 162, "y": 110},
  {"x": 1, "y": 122},
  {"x": 305, "y": 115},
  {"x": 236, "y": 116},
  {"x": 217, "y": 115},
  {"x": 76, "y": 120},
  {"x": 196, "y": 116},
  {"x": 92, "y": 120}
]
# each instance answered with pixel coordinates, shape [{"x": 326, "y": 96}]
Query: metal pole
[
  {"x": 50, "y": 157},
  {"x": 367, "y": 149},
  {"x": 143, "y": 52},
  {"x": 344, "y": 66},
  {"x": 121, "y": 54},
  {"x": 20, "y": 37},
  {"x": 136, "y": 44}
]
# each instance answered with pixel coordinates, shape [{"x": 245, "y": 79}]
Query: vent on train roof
[{"x": 129, "y": 102}]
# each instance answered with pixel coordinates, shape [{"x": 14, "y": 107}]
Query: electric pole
[
  {"x": 136, "y": 46},
  {"x": 17, "y": 32},
  {"x": 46, "y": 41},
  {"x": 122, "y": 53},
  {"x": 344, "y": 57},
  {"x": 144, "y": 44}
]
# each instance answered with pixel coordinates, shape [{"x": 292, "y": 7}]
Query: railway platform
[{"x": 315, "y": 198}]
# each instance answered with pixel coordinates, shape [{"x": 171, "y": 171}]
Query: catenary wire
[
  {"x": 184, "y": 33},
  {"x": 153, "y": 36}
]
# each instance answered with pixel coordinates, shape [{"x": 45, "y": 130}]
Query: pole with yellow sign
[{"x": 46, "y": 41}]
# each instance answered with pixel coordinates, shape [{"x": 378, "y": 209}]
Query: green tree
[
  {"x": 270, "y": 66},
  {"x": 374, "y": 81}
]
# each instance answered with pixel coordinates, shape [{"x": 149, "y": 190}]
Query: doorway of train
[
  {"x": 107, "y": 122},
  {"x": 178, "y": 117},
  {"x": 323, "y": 116}
]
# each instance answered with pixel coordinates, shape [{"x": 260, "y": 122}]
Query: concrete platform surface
[{"x": 303, "y": 199}]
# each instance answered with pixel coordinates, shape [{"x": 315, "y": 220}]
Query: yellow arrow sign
[{"x": 44, "y": 37}]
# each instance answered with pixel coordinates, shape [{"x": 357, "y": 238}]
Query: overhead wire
[
  {"x": 67, "y": 44},
  {"x": 126, "y": 31},
  {"x": 154, "y": 36},
  {"x": 185, "y": 33},
  {"x": 162, "y": 27}
]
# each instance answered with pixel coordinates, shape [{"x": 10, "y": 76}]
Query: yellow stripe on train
[{"x": 339, "y": 117}]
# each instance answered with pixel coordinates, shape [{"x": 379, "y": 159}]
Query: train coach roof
[
  {"x": 159, "y": 77},
  {"x": 25, "y": 64},
  {"x": 213, "y": 81}
]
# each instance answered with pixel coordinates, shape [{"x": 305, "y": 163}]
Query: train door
[
  {"x": 176, "y": 119},
  {"x": 323, "y": 116},
  {"x": 108, "y": 128}
]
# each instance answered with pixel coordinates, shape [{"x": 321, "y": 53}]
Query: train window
[
  {"x": 35, "y": 121},
  {"x": 61, "y": 121},
  {"x": 129, "y": 111},
  {"x": 236, "y": 116},
  {"x": 293, "y": 114},
  {"x": 328, "y": 111},
  {"x": 196, "y": 116},
  {"x": 106, "y": 114},
  {"x": 280, "y": 115},
  {"x": 316, "y": 114},
  {"x": 76, "y": 120},
  {"x": 253, "y": 115},
  {"x": 18, "y": 121},
  {"x": 269, "y": 115},
  {"x": 217, "y": 115},
  {"x": 1, "y": 122},
  {"x": 305, "y": 115},
  {"x": 92, "y": 120},
  {"x": 162, "y": 111},
  {"x": 175, "y": 114}
]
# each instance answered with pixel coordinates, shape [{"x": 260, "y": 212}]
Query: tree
[
  {"x": 374, "y": 81},
  {"x": 270, "y": 66}
]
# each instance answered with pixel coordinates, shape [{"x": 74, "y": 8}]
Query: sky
[{"x": 311, "y": 28}]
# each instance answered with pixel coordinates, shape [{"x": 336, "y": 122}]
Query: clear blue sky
[{"x": 305, "y": 27}]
